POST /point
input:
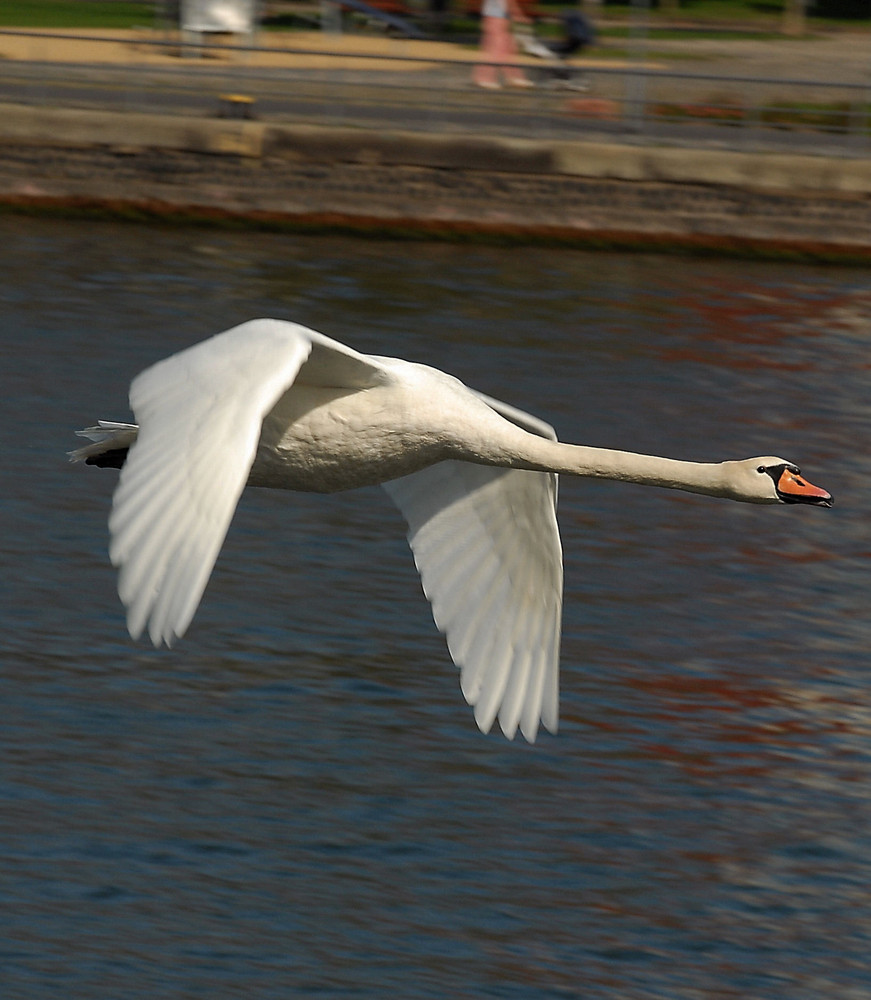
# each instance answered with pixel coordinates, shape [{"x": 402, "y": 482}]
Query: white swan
[{"x": 270, "y": 403}]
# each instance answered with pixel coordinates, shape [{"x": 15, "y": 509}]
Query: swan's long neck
[
  {"x": 648, "y": 470},
  {"x": 710, "y": 479}
]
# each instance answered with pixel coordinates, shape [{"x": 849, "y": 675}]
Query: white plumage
[{"x": 271, "y": 403}]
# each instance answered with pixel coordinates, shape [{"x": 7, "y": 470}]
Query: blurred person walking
[{"x": 498, "y": 45}]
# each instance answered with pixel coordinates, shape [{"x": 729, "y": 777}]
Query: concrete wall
[{"x": 298, "y": 175}]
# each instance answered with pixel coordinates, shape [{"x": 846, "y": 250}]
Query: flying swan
[{"x": 271, "y": 403}]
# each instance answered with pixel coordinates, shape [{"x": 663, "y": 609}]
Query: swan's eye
[{"x": 761, "y": 469}]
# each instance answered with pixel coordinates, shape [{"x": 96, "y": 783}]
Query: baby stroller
[{"x": 578, "y": 33}]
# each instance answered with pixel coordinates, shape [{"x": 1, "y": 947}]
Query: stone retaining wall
[{"x": 303, "y": 176}]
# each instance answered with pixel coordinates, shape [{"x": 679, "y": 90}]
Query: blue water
[{"x": 295, "y": 802}]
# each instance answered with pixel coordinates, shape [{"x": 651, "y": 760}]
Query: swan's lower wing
[
  {"x": 487, "y": 547},
  {"x": 200, "y": 414}
]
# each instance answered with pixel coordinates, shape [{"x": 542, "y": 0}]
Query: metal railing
[{"x": 405, "y": 91}]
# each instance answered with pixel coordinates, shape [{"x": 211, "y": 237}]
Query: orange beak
[{"x": 792, "y": 487}]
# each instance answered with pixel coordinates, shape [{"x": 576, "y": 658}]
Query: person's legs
[
  {"x": 484, "y": 74},
  {"x": 505, "y": 51}
]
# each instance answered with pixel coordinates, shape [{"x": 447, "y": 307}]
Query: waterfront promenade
[{"x": 85, "y": 126}]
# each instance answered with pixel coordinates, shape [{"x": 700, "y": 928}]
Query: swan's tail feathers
[{"x": 110, "y": 441}]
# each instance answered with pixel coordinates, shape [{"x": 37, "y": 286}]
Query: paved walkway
[
  {"x": 118, "y": 47},
  {"x": 840, "y": 57},
  {"x": 416, "y": 81}
]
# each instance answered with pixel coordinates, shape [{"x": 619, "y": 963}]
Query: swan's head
[{"x": 774, "y": 480}]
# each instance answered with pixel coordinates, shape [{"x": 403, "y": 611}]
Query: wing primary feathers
[
  {"x": 486, "y": 545},
  {"x": 200, "y": 414},
  {"x": 516, "y": 689}
]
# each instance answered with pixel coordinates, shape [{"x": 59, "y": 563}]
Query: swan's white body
[{"x": 271, "y": 403}]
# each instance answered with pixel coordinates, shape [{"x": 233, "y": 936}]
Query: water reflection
[{"x": 296, "y": 801}]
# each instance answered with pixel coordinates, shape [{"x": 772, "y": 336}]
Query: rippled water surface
[{"x": 296, "y": 802}]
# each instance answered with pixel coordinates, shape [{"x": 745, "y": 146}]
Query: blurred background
[
  {"x": 295, "y": 801},
  {"x": 719, "y": 71}
]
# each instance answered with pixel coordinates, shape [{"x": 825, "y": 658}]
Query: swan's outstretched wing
[
  {"x": 487, "y": 546},
  {"x": 200, "y": 413}
]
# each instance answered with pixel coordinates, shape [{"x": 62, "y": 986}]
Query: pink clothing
[{"x": 497, "y": 46}]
